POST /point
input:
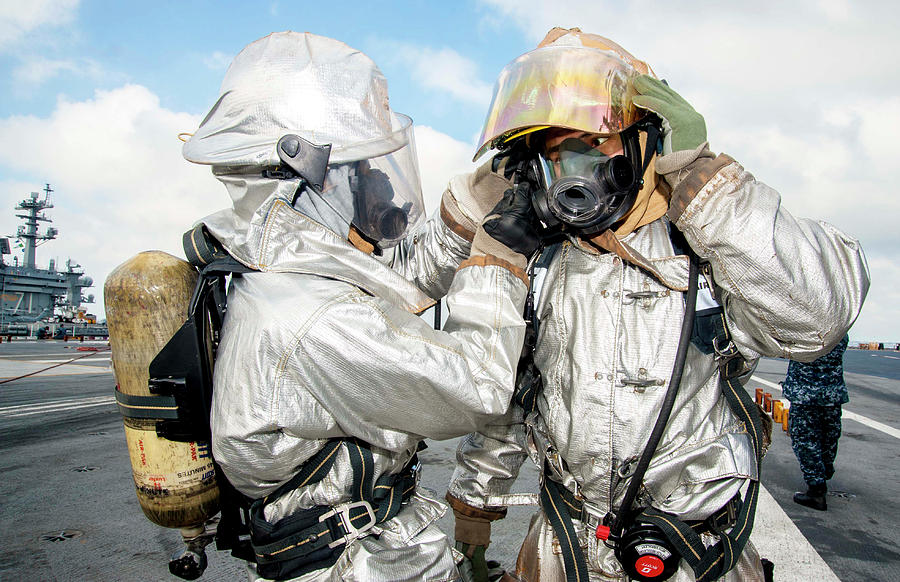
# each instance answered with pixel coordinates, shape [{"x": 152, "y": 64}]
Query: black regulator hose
[{"x": 623, "y": 517}]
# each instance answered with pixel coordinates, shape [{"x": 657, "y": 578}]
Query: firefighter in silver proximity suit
[
  {"x": 326, "y": 380},
  {"x": 610, "y": 306}
]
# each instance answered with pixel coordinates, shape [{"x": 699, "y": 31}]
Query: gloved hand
[
  {"x": 684, "y": 131},
  {"x": 473, "y": 535},
  {"x": 469, "y": 197},
  {"x": 684, "y": 128},
  {"x": 506, "y": 162},
  {"x": 475, "y": 568},
  {"x": 508, "y": 231}
]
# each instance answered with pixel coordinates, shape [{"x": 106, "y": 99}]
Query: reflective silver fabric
[
  {"x": 325, "y": 342},
  {"x": 295, "y": 82},
  {"x": 327, "y": 93},
  {"x": 791, "y": 288}
]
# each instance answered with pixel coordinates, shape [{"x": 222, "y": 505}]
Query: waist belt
[
  {"x": 718, "y": 521},
  {"x": 313, "y": 538}
]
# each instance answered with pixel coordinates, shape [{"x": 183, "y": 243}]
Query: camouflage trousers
[{"x": 815, "y": 431}]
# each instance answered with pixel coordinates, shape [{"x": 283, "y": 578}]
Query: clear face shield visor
[{"x": 381, "y": 182}]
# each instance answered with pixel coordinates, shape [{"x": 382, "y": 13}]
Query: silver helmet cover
[{"x": 327, "y": 93}]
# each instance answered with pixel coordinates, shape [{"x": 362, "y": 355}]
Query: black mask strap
[{"x": 652, "y": 124}]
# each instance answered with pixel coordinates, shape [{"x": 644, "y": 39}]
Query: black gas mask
[
  {"x": 580, "y": 189},
  {"x": 374, "y": 212}
]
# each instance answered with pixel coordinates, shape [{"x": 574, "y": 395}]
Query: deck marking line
[
  {"x": 74, "y": 407},
  {"x": 56, "y": 403},
  {"x": 55, "y": 406}
]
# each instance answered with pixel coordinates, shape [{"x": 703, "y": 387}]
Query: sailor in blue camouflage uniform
[{"x": 816, "y": 391}]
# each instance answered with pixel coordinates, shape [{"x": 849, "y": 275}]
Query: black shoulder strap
[
  {"x": 207, "y": 254},
  {"x": 201, "y": 248},
  {"x": 528, "y": 377},
  {"x": 712, "y": 563}
]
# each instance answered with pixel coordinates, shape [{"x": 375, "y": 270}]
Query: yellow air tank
[{"x": 147, "y": 300}]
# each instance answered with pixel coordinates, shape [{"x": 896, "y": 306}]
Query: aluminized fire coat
[
  {"x": 322, "y": 340},
  {"x": 791, "y": 287},
  {"x": 325, "y": 342}
]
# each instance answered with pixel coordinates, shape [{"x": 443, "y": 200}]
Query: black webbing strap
[
  {"x": 528, "y": 377},
  {"x": 314, "y": 538},
  {"x": 201, "y": 248},
  {"x": 206, "y": 253},
  {"x": 712, "y": 563},
  {"x": 555, "y": 509},
  {"x": 312, "y": 471},
  {"x": 154, "y": 407}
]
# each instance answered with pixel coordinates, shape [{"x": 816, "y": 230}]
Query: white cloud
[
  {"x": 447, "y": 71},
  {"x": 19, "y": 18},
  {"x": 881, "y": 312},
  {"x": 765, "y": 47},
  {"x": 440, "y": 158},
  {"x": 121, "y": 185}
]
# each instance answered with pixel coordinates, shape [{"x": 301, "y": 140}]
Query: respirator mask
[
  {"x": 376, "y": 211},
  {"x": 582, "y": 89},
  {"x": 582, "y": 189}
]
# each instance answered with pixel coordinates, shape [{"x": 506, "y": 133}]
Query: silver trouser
[
  {"x": 411, "y": 548},
  {"x": 540, "y": 558}
]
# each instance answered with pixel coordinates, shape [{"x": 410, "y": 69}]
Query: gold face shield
[{"x": 575, "y": 87}]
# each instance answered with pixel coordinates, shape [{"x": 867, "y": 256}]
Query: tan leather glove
[
  {"x": 469, "y": 197},
  {"x": 473, "y": 536}
]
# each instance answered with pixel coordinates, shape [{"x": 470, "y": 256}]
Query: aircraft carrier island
[{"x": 37, "y": 302}]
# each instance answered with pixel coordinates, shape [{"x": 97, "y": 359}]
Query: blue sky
[
  {"x": 806, "y": 95},
  {"x": 180, "y": 50}
]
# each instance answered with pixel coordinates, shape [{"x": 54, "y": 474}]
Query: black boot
[
  {"x": 814, "y": 497},
  {"x": 768, "y": 570}
]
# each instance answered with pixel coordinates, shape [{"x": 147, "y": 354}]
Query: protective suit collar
[
  {"x": 280, "y": 238},
  {"x": 669, "y": 270}
]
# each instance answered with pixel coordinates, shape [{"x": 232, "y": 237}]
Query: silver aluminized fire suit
[
  {"x": 322, "y": 340},
  {"x": 325, "y": 342},
  {"x": 790, "y": 287}
]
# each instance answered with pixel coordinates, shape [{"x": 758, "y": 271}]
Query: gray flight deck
[{"x": 68, "y": 509}]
